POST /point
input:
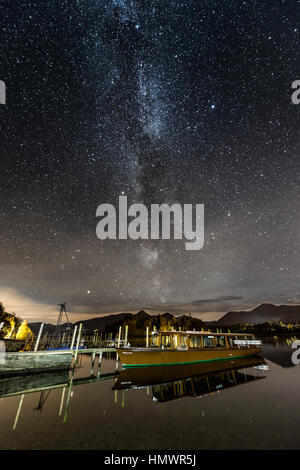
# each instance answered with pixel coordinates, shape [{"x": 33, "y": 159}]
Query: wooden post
[
  {"x": 147, "y": 337},
  {"x": 77, "y": 344},
  {"x": 126, "y": 335},
  {"x": 73, "y": 338},
  {"x": 119, "y": 337},
  {"x": 39, "y": 337}
]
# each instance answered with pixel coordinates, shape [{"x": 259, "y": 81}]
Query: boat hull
[
  {"x": 138, "y": 357},
  {"x": 28, "y": 362}
]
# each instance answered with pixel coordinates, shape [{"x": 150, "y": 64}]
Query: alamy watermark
[
  {"x": 2, "y": 92},
  {"x": 296, "y": 93},
  {"x": 296, "y": 354},
  {"x": 160, "y": 221}
]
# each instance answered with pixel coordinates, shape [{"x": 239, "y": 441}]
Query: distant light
[
  {"x": 213, "y": 106},
  {"x": 88, "y": 291}
]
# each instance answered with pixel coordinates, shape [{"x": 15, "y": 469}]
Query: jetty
[{"x": 53, "y": 353}]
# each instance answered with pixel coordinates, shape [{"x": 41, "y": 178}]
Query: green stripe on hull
[{"x": 190, "y": 362}]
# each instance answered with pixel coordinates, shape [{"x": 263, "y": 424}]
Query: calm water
[{"x": 250, "y": 405}]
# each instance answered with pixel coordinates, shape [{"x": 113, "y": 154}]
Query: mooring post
[
  {"x": 73, "y": 338},
  {"x": 147, "y": 337},
  {"x": 119, "y": 337},
  {"x": 39, "y": 337},
  {"x": 118, "y": 345},
  {"x": 77, "y": 344},
  {"x": 126, "y": 335}
]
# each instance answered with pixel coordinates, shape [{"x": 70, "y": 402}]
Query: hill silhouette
[
  {"x": 137, "y": 323},
  {"x": 262, "y": 313}
]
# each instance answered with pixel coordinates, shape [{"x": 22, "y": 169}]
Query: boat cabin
[{"x": 184, "y": 340}]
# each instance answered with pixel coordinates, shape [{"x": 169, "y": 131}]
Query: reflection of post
[
  {"x": 39, "y": 337},
  {"x": 72, "y": 377},
  {"x": 116, "y": 396},
  {"x": 68, "y": 399},
  {"x": 93, "y": 363},
  {"x": 62, "y": 401},
  {"x": 18, "y": 412},
  {"x": 99, "y": 365},
  {"x": 123, "y": 398}
]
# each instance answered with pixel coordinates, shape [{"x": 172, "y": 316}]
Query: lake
[{"x": 251, "y": 404}]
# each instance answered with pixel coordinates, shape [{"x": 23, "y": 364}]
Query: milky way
[{"x": 163, "y": 101}]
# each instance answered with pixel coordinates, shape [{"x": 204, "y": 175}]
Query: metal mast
[{"x": 60, "y": 319}]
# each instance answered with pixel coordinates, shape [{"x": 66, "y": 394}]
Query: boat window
[
  {"x": 166, "y": 341},
  {"x": 182, "y": 342},
  {"x": 230, "y": 340},
  {"x": 195, "y": 342},
  {"x": 154, "y": 341},
  {"x": 208, "y": 341},
  {"x": 220, "y": 341}
]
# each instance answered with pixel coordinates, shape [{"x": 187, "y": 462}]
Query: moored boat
[
  {"x": 186, "y": 347},
  {"x": 34, "y": 361}
]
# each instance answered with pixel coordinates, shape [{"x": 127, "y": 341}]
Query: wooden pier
[{"x": 39, "y": 360}]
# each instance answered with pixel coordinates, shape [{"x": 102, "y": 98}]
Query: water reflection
[
  {"x": 105, "y": 409},
  {"x": 173, "y": 382}
]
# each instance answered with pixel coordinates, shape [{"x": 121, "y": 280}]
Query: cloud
[
  {"x": 225, "y": 298},
  {"x": 27, "y": 308}
]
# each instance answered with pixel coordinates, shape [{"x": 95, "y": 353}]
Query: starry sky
[{"x": 165, "y": 101}]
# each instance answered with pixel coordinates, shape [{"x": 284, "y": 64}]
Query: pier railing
[{"x": 47, "y": 341}]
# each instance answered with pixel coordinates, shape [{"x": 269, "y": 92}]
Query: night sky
[{"x": 163, "y": 101}]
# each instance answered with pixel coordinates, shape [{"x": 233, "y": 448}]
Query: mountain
[
  {"x": 101, "y": 323},
  {"x": 138, "y": 323},
  {"x": 261, "y": 314},
  {"x": 35, "y": 327},
  {"x": 98, "y": 323}
]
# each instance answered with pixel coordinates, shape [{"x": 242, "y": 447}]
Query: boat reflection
[{"x": 192, "y": 380}]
